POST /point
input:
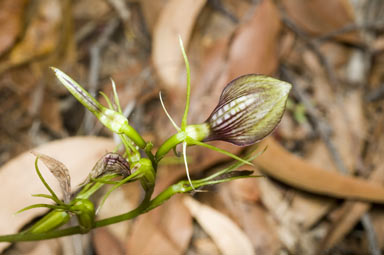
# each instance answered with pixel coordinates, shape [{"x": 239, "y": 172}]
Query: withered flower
[{"x": 110, "y": 163}]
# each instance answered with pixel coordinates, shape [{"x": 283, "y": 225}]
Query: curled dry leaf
[
  {"x": 298, "y": 173},
  {"x": 319, "y": 19},
  {"x": 255, "y": 45},
  {"x": 60, "y": 171},
  {"x": 229, "y": 238},
  {"x": 19, "y": 177}
]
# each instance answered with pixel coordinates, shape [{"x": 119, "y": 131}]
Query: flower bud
[
  {"x": 250, "y": 107},
  {"x": 113, "y": 120},
  {"x": 52, "y": 220},
  {"x": 85, "y": 212}
]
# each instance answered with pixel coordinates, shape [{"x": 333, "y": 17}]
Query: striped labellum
[
  {"x": 250, "y": 107},
  {"x": 109, "y": 163}
]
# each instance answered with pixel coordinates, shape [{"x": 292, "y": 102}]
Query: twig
[
  {"x": 371, "y": 236},
  {"x": 121, "y": 9}
]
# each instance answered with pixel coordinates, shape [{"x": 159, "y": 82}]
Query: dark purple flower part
[
  {"x": 109, "y": 163},
  {"x": 249, "y": 108}
]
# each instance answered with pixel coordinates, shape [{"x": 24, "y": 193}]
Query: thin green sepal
[
  {"x": 168, "y": 115},
  {"x": 116, "y": 97},
  {"x": 184, "y": 120},
  {"x": 191, "y": 141},
  {"x": 40, "y": 206},
  {"x": 234, "y": 166},
  {"x": 106, "y": 99},
  {"x": 44, "y": 196}
]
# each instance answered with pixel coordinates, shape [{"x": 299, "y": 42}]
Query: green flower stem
[
  {"x": 59, "y": 217},
  {"x": 195, "y": 132},
  {"x": 134, "y": 136},
  {"x": 142, "y": 208},
  {"x": 169, "y": 144},
  {"x": 129, "y": 131},
  {"x": 148, "y": 152},
  {"x": 180, "y": 187}
]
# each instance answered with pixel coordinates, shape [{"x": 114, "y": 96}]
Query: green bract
[{"x": 250, "y": 107}]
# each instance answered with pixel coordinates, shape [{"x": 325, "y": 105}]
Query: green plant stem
[
  {"x": 139, "y": 141},
  {"x": 169, "y": 144},
  {"x": 134, "y": 136},
  {"x": 145, "y": 206}
]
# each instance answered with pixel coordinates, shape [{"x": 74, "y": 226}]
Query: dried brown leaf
[
  {"x": 151, "y": 11},
  {"x": 106, "y": 244},
  {"x": 42, "y": 34},
  {"x": 252, "y": 217},
  {"x": 176, "y": 19},
  {"x": 255, "y": 45},
  {"x": 351, "y": 214},
  {"x": 50, "y": 114},
  {"x": 318, "y": 18},
  {"x": 167, "y": 230},
  {"x": 11, "y": 12},
  {"x": 60, "y": 171},
  {"x": 229, "y": 238},
  {"x": 298, "y": 173}
]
